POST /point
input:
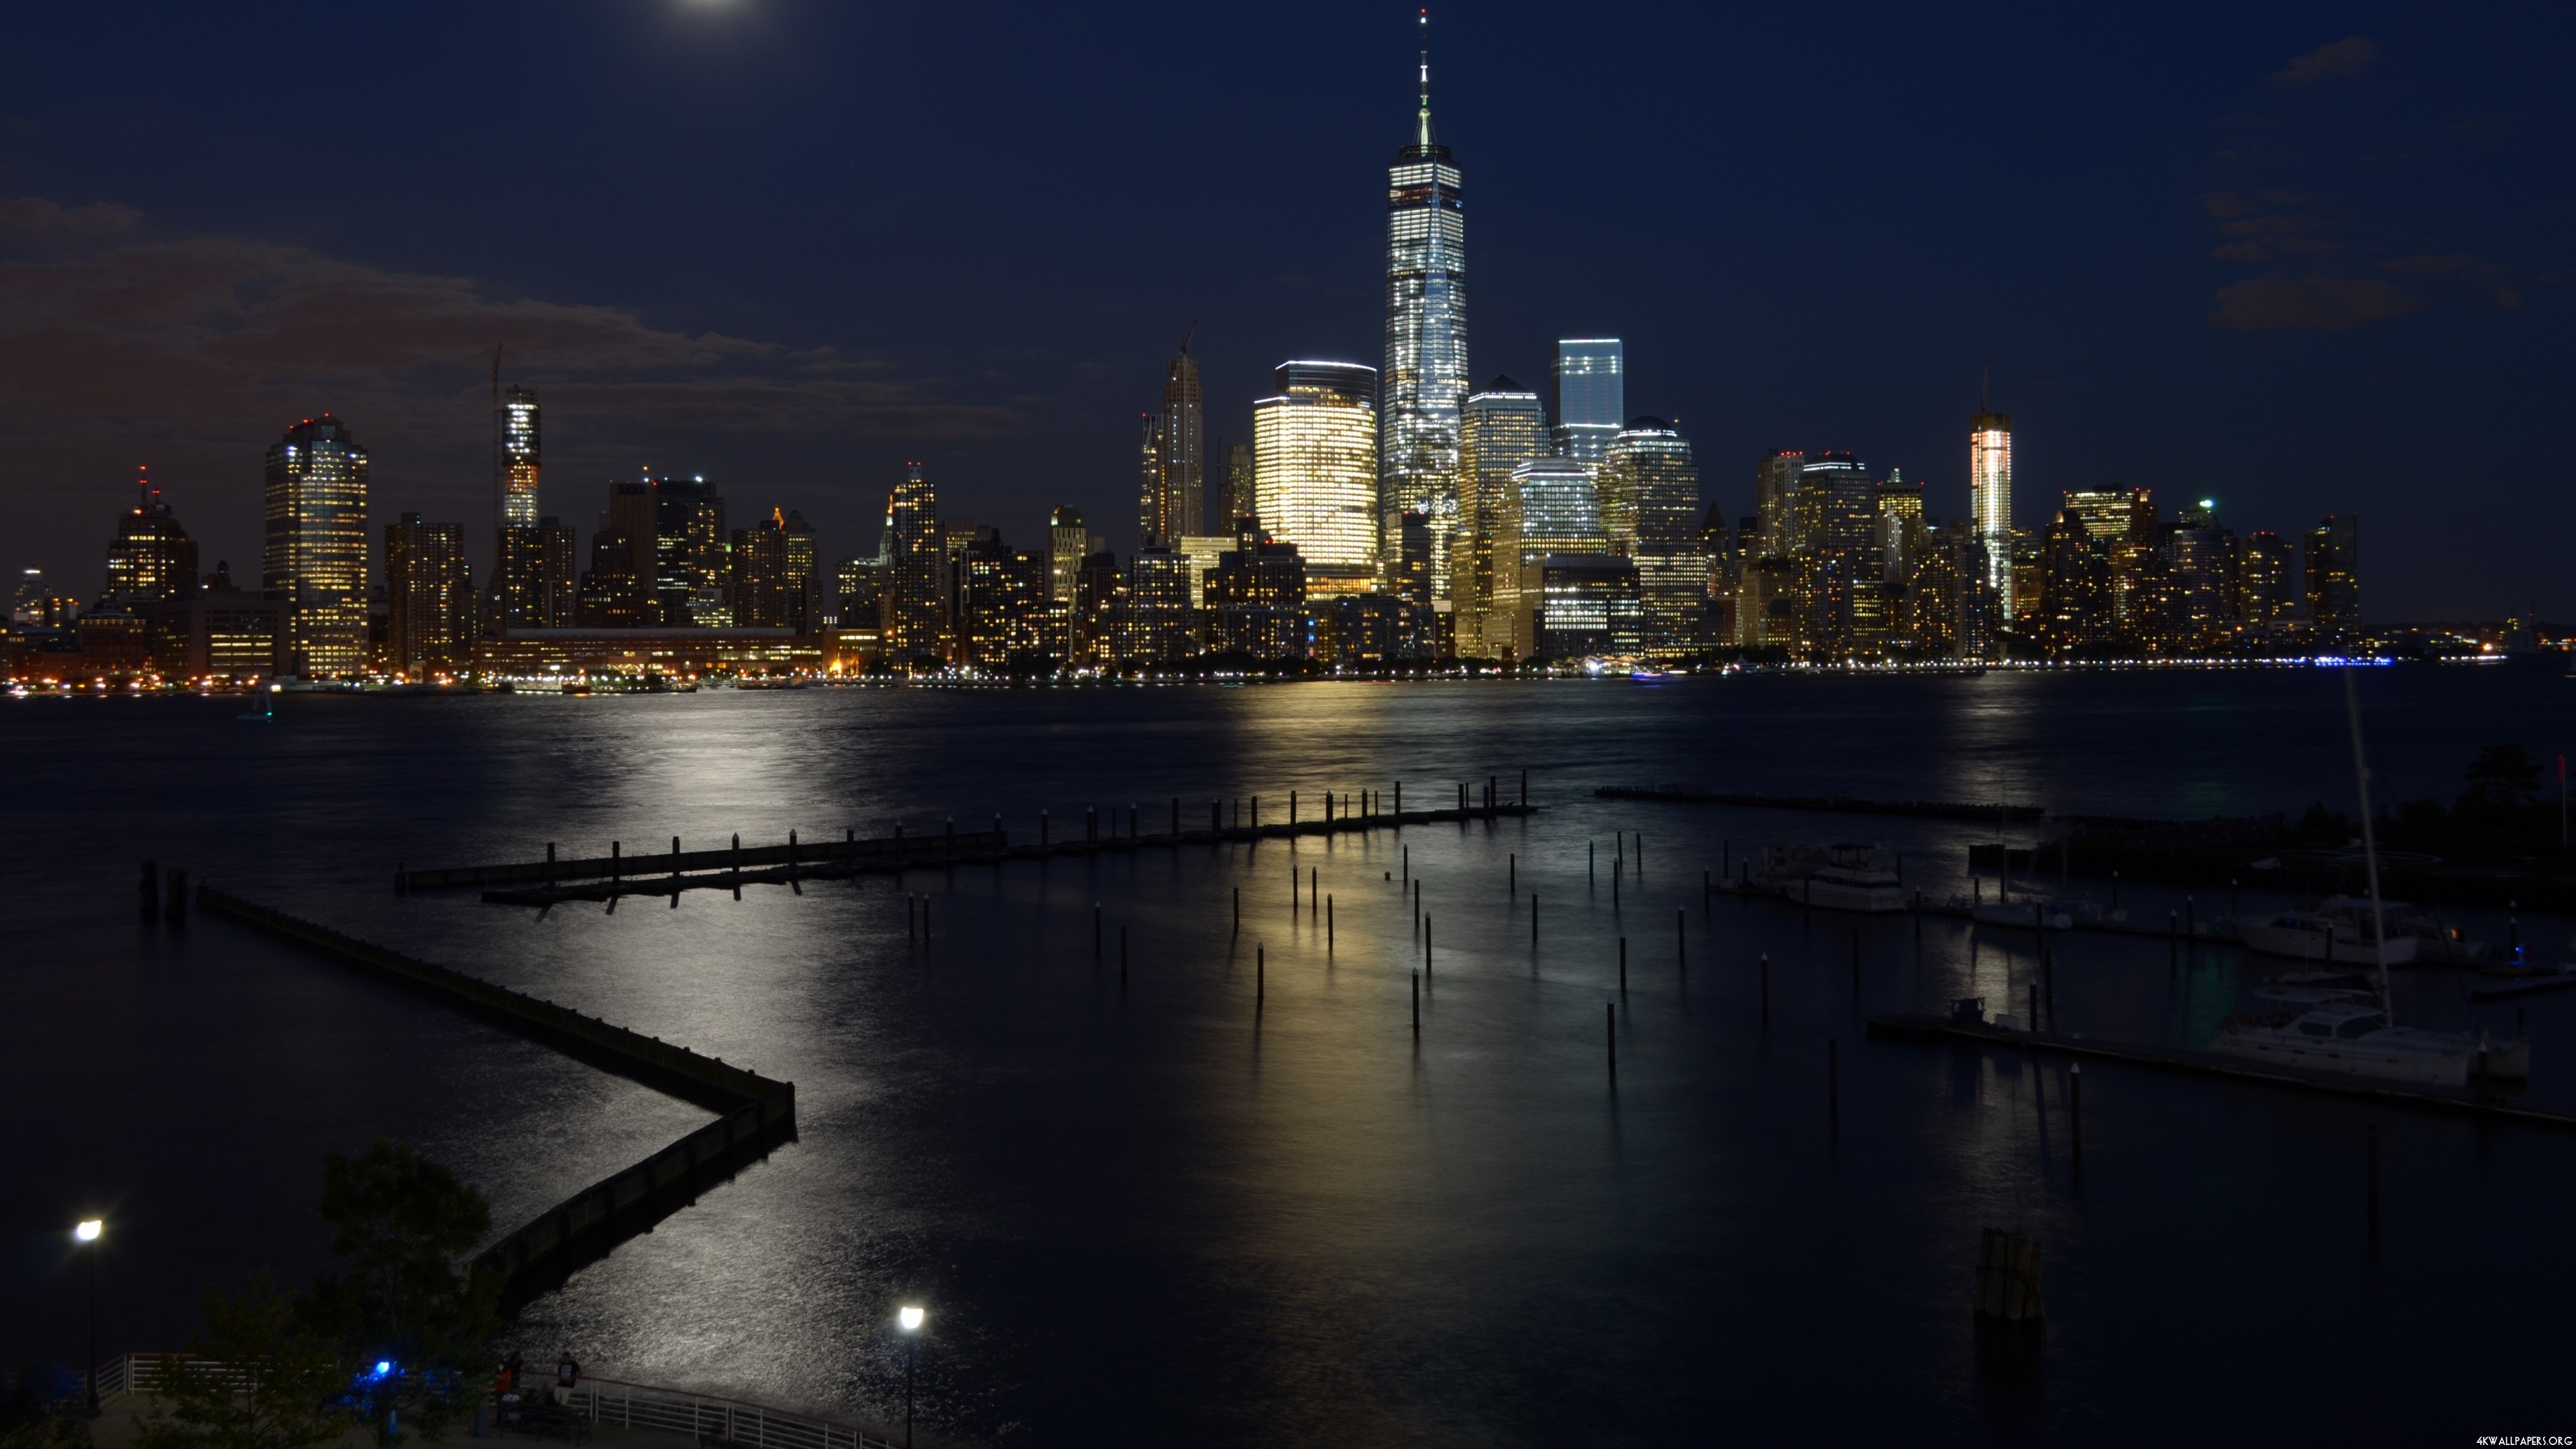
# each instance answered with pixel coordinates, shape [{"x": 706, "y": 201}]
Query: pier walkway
[{"x": 1923, "y": 1027}]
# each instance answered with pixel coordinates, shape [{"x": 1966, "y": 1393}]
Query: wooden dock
[
  {"x": 608, "y": 877},
  {"x": 1837, "y": 804},
  {"x": 1924, "y": 1027}
]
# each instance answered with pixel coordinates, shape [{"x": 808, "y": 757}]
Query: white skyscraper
[
  {"x": 1591, "y": 396},
  {"x": 1990, "y": 501}
]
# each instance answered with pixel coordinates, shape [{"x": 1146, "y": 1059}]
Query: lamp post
[
  {"x": 88, "y": 1231},
  {"x": 910, "y": 1317}
]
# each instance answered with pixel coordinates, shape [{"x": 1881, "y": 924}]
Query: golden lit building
[
  {"x": 1314, "y": 446},
  {"x": 315, "y": 554},
  {"x": 1502, "y": 427},
  {"x": 1990, "y": 483}
]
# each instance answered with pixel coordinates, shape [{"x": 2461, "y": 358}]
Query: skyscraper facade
[
  {"x": 1501, "y": 428},
  {"x": 1239, "y": 504},
  {"x": 429, "y": 599},
  {"x": 1426, "y": 341},
  {"x": 1176, "y": 502},
  {"x": 315, "y": 553},
  {"x": 692, "y": 567},
  {"x": 521, "y": 456},
  {"x": 1314, "y": 445},
  {"x": 1068, "y": 543},
  {"x": 1990, "y": 501},
  {"x": 1149, "y": 477},
  {"x": 778, "y": 575},
  {"x": 151, "y": 556},
  {"x": 917, "y": 609},
  {"x": 1651, "y": 511},
  {"x": 1560, "y": 508},
  {"x": 2332, "y": 565},
  {"x": 1591, "y": 395}
]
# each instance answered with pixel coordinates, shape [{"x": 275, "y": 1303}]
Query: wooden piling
[
  {"x": 1512, "y": 874},
  {"x": 2370, "y": 1176},
  {"x": 1314, "y": 882},
  {"x": 2075, "y": 1112},
  {"x": 1426, "y": 945},
  {"x": 1417, "y": 1006},
  {"x": 1260, "y": 976},
  {"x": 1833, "y": 1082},
  {"x": 1328, "y": 925}
]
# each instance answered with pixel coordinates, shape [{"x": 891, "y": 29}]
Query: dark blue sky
[{"x": 2301, "y": 257}]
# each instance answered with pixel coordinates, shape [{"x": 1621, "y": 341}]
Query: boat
[
  {"x": 2523, "y": 981},
  {"x": 2348, "y": 1038},
  {"x": 2319, "y": 936},
  {"x": 2436, "y": 940},
  {"x": 2343, "y": 1032},
  {"x": 1838, "y": 878}
]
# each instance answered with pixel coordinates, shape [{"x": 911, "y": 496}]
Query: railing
[
  {"x": 640, "y": 1406},
  {"x": 703, "y": 1417}
]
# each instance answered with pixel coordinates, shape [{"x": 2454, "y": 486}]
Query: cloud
[
  {"x": 213, "y": 337},
  {"x": 2348, "y": 57},
  {"x": 2324, "y": 304}
]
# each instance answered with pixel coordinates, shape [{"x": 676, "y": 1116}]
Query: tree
[
  {"x": 2502, "y": 779},
  {"x": 42, "y": 1409},
  {"x": 269, "y": 1385},
  {"x": 402, "y": 1304}
]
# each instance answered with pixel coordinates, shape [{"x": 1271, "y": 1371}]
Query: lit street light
[
  {"x": 910, "y": 1317},
  {"x": 88, "y": 1231}
]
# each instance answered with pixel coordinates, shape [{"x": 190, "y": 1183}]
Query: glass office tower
[
  {"x": 1591, "y": 396},
  {"x": 1315, "y": 477},
  {"x": 1426, "y": 340},
  {"x": 1503, "y": 427},
  {"x": 315, "y": 554},
  {"x": 1990, "y": 501}
]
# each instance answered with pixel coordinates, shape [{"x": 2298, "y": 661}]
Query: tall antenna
[
  {"x": 1185, "y": 338},
  {"x": 1426, "y": 77}
]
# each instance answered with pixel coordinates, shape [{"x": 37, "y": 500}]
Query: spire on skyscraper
[{"x": 1424, "y": 139}]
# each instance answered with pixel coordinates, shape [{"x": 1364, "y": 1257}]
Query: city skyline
[{"x": 1032, "y": 449}]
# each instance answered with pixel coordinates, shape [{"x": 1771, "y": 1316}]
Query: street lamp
[
  {"x": 910, "y": 1317},
  {"x": 88, "y": 1231}
]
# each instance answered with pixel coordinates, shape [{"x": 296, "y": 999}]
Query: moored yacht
[
  {"x": 2318, "y": 936},
  {"x": 1840, "y": 878}
]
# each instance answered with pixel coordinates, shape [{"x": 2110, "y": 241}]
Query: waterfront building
[
  {"x": 2203, "y": 566},
  {"x": 1314, "y": 444},
  {"x": 429, "y": 599},
  {"x": 1425, "y": 381},
  {"x": 1591, "y": 396},
  {"x": 1365, "y": 631},
  {"x": 1650, "y": 511},
  {"x": 859, "y": 590},
  {"x": 151, "y": 557},
  {"x": 1256, "y": 600},
  {"x": 1204, "y": 552},
  {"x": 1775, "y": 500},
  {"x": 315, "y": 553},
  {"x": 1500, "y": 428},
  {"x": 1719, "y": 559},
  {"x": 539, "y": 654},
  {"x": 1001, "y": 610},
  {"x": 1157, "y": 624},
  {"x": 2332, "y": 565},
  {"x": 1560, "y": 508},
  {"x": 2264, "y": 600},
  {"x": 1587, "y": 607},
  {"x": 1841, "y": 585},
  {"x": 778, "y": 575},
  {"x": 2076, "y": 619},
  {"x": 1099, "y": 602},
  {"x": 1990, "y": 484},
  {"x": 693, "y": 564},
  {"x": 917, "y": 564}
]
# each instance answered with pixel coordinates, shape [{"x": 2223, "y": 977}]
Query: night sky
[{"x": 2303, "y": 258}]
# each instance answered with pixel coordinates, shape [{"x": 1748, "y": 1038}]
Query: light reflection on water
[{"x": 1151, "y": 1214}]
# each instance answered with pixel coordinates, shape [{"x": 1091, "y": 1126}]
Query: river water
[{"x": 1154, "y": 1214}]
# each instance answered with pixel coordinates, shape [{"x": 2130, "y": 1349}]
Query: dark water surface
[{"x": 1153, "y": 1216}]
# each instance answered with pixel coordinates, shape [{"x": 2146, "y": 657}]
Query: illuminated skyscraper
[
  {"x": 1426, "y": 342},
  {"x": 692, "y": 562},
  {"x": 1560, "y": 509},
  {"x": 315, "y": 555},
  {"x": 521, "y": 456},
  {"x": 1314, "y": 446},
  {"x": 1650, "y": 509},
  {"x": 2333, "y": 566},
  {"x": 1149, "y": 477},
  {"x": 2263, "y": 598},
  {"x": 917, "y": 609},
  {"x": 1238, "y": 504},
  {"x": 1068, "y": 543},
  {"x": 1175, "y": 492},
  {"x": 1591, "y": 395},
  {"x": 429, "y": 598},
  {"x": 778, "y": 575},
  {"x": 151, "y": 556},
  {"x": 1990, "y": 501},
  {"x": 1502, "y": 427}
]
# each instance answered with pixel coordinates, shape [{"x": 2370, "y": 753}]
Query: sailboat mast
[{"x": 2369, "y": 841}]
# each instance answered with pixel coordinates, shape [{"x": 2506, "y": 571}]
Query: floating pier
[
  {"x": 758, "y": 1112},
  {"x": 1924, "y": 1027},
  {"x": 1845, "y": 804},
  {"x": 607, "y": 877}
]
